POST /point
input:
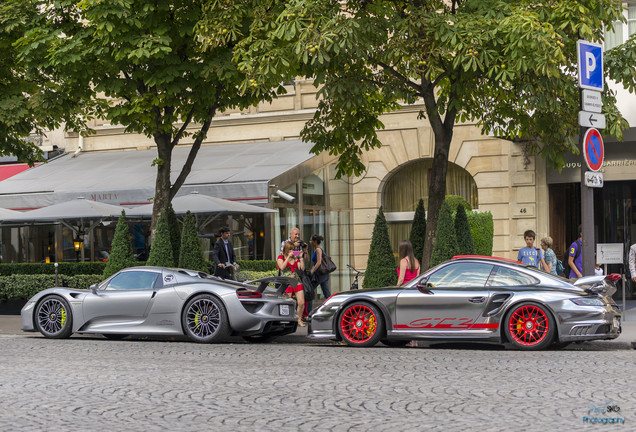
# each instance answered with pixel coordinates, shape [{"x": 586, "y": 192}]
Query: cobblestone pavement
[{"x": 93, "y": 384}]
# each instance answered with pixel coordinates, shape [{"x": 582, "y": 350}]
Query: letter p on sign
[{"x": 590, "y": 62}]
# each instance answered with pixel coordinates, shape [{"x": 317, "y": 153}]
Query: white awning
[{"x": 239, "y": 172}]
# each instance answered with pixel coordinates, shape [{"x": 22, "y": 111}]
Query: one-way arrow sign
[{"x": 590, "y": 119}]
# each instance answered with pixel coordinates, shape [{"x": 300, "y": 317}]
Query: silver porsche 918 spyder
[
  {"x": 165, "y": 301},
  {"x": 474, "y": 298}
]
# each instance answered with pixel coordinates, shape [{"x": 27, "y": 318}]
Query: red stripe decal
[{"x": 447, "y": 326}]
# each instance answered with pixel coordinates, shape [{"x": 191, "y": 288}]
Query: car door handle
[{"x": 477, "y": 299}]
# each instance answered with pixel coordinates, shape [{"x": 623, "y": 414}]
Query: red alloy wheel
[
  {"x": 358, "y": 324},
  {"x": 529, "y": 325}
]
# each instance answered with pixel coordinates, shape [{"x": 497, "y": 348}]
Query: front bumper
[{"x": 26, "y": 316}]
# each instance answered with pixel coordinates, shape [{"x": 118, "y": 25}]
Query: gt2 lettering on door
[{"x": 441, "y": 323}]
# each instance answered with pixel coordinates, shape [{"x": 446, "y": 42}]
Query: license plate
[{"x": 283, "y": 309}]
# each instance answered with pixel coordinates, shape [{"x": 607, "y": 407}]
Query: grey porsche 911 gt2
[{"x": 474, "y": 298}]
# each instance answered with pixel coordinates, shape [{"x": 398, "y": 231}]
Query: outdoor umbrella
[
  {"x": 76, "y": 209},
  {"x": 5, "y": 213},
  {"x": 197, "y": 203},
  {"x": 79, "y": 215}
]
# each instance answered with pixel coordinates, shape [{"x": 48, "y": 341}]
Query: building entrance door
[{"x": 614, "y": 219}]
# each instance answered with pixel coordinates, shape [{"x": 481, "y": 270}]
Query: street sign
[
  {"x": 590, "y": 61},
  {"x": 609, "y": 253},
  {"x": 593, "y": 179},
  {"x": 593, "y": 149},
  {"x": 593, "y": 120},
  {"x": 591, "y": 101}
]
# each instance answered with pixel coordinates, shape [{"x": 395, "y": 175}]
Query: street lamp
[{"x": 77, "y": 244}]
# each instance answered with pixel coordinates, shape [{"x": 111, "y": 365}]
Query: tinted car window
[
  {"x": 132, "y": 280},
  {"x": 461, "y": 275},
  {"x": 503, "y": 276}
]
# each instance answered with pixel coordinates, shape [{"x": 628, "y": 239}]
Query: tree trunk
[
  {"x": 162, "y": 184},
  {"x": 436, "y": 193},
  {"x": 443, "y": 131}
]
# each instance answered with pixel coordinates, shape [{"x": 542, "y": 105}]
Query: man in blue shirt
[
  {"x": 530, "y": 255},
  {"x": 575, "y": 257}
]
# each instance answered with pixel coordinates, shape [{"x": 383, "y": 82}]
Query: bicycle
[{"x": 354, "y": 284}]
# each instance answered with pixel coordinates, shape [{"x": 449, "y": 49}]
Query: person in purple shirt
[{"x": 575, "y": 257}]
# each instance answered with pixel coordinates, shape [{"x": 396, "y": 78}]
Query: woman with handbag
[
  {"x": 317, "y": 258},
  {"x": 289, "y": 260}
]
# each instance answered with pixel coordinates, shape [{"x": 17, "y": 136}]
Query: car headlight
[{"x": 588, "y": 301}]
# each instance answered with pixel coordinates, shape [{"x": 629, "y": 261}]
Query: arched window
[{"x": 406, "y": 186}]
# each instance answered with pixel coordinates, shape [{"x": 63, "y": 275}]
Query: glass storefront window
[
  {"x": 314, "y": 189},
  {"x": 247, "y": 236}
]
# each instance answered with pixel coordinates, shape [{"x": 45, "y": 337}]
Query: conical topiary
[
  {"x": 175, "y": 232},
  {"x": 445, "y": 242},
  {"x": 381, "y": 268},
  {"x": 161, "y": 253},
  {"x": 191, "y": 256},
  {"x": 121, "y": 253},
  {"x": 418, "y": 230},
  {"x": 465, "y": 244}
]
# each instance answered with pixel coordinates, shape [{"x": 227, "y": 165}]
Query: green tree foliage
[
  {"x": 381, "y": 268},
  {"x": 462, "y": 233},
  {"x": 507, "y": 65},
  {"x": 30, "y": 102},
  {"x": 191, "y": 256},
  {"x": 418, "y": 230},
  {"x": 445, "y": 240},
  {"x": 161, "y": 252},
  {"x": 121, "y": 253},
  {"x": 175, "y": 232},
  {"x": 482, "y": 228},
  {"x": 455, "y": 200},
  {"x": 161, "y": 78}
]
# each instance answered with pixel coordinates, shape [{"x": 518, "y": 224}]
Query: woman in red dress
[{"x": 289, "y": 260}]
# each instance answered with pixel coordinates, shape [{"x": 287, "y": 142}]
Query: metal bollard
[{"x": 56, "y": 284}]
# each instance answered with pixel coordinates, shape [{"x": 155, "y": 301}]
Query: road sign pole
[
  {"x": 587, "y": 214},
  {"x": 590, "y": 76}
]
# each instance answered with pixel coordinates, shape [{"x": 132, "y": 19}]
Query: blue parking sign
[{"x": 590, "y": 62}]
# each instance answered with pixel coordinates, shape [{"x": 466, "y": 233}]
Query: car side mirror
[
  {"x": 93, "y": 288},
  {"x": 424, "y": 287}
]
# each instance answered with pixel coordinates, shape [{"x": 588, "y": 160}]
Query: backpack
[
  {"x": 559, "y": 267},
  {"x": 568, "y": 269}
]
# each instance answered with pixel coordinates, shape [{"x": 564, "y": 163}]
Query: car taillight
[
  {"x": 248, "y": 294},
  {"x": 613, "y": 277}
]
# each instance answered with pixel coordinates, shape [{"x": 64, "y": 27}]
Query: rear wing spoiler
[
  {"x": 281, "y": 283},
  {"x": 601, "y": 285}
]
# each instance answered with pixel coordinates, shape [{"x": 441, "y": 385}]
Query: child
[
  {"x": 531, "y": 255},
  {"x": 598, "y": 270}
]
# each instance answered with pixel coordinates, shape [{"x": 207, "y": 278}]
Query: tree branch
[
  {"x": 186, "y": 122},
  {"x": 395, "y": 73},
  {"x": 187, "y": 166}
]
